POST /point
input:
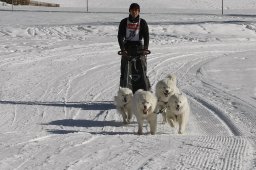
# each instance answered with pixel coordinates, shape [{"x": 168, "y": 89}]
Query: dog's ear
[
  {"x": 140, "y": 90},
  {"x": 176, "y": 95},
  {"x": 131, "y": 94},
  {"x": 171, "y": 76}
]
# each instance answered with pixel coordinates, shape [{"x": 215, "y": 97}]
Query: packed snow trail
[{"x": 57, "y": 108}]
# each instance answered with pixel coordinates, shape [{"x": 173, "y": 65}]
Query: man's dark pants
[{"x": 137, "y": 76}]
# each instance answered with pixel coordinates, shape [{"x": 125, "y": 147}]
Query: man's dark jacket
[{"x": 142, "y": 34}]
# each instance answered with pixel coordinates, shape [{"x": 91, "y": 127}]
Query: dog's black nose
[
  {"x": 145, "y": 107},
  {"x": 125, "y": 100},
  {"x": 166, "y": 91},
  {"x": 178, "y": 107}
]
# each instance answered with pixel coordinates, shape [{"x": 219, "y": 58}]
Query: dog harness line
[{"x": 165, "y": 104}]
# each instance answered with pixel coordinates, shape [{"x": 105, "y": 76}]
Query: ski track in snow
[{"x": 57, "y": 101}]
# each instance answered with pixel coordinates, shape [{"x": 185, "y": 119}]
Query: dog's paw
[
  {"x": 164, "y": 122},
  {"x": 152, "y": 133},
  {"x": 171, "y": 122},
  {"x": 180, "y": 132},
  {"x": 128, "y": 121},
  {"x": 139, "y": 132}
]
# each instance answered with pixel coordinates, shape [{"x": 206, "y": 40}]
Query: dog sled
[{"x": 135, "y": 72}]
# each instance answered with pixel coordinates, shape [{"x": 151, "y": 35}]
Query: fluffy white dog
[
  {"x": 178, "y": 111},
  {"x": 144, "y": 107},
  {"x": 164, "y": 89},
  {"x": 123, "y": 102}
]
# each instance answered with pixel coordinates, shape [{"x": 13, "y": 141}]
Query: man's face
[{"x": 134, "y": 12}]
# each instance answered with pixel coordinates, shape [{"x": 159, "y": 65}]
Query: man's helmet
[{"x": 134, "y": 6}]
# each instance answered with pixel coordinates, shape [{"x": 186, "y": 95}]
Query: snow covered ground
[{"x": 59, "y": 72}]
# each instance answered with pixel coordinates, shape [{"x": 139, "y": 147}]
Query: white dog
[
  {"x": 123, "y": 102},
  {"x": 178, "y": 110},
  {"x": 164, "y": 89},
  {"x": 144, "y": 107}
]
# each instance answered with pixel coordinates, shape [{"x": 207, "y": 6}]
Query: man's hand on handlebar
[
  {"x": 123, "y": 53},
  {"x": 145, "y": 52}
]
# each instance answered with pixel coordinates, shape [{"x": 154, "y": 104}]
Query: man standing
[{"x": 130, "y": 34}]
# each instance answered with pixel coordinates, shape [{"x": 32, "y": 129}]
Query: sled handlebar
[
  {"x": 120, "y": 52},
  {"x": 146, "y": 52}
]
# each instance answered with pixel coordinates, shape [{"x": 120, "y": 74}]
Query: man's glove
[
  {"x": 124, "y": 53},
  {"x": 145, "y": 52}
]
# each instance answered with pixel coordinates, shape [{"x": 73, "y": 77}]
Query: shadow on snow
[
  {"x": 85, "y": 124},
  {"x": 89, "y": 105},
  {"x": 63, "y": 132}
]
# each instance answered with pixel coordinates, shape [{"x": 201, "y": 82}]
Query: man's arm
[
  {"x": 121, "y": 33},
  {"x": 145, "y": 34}
]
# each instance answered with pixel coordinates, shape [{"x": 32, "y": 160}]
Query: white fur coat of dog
[
  {"x": 164, "y": 89},
  {"x": 144, "y": 108},
  {"x": 178, "y": 111},
  {"x": 123, "y": 102}
]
